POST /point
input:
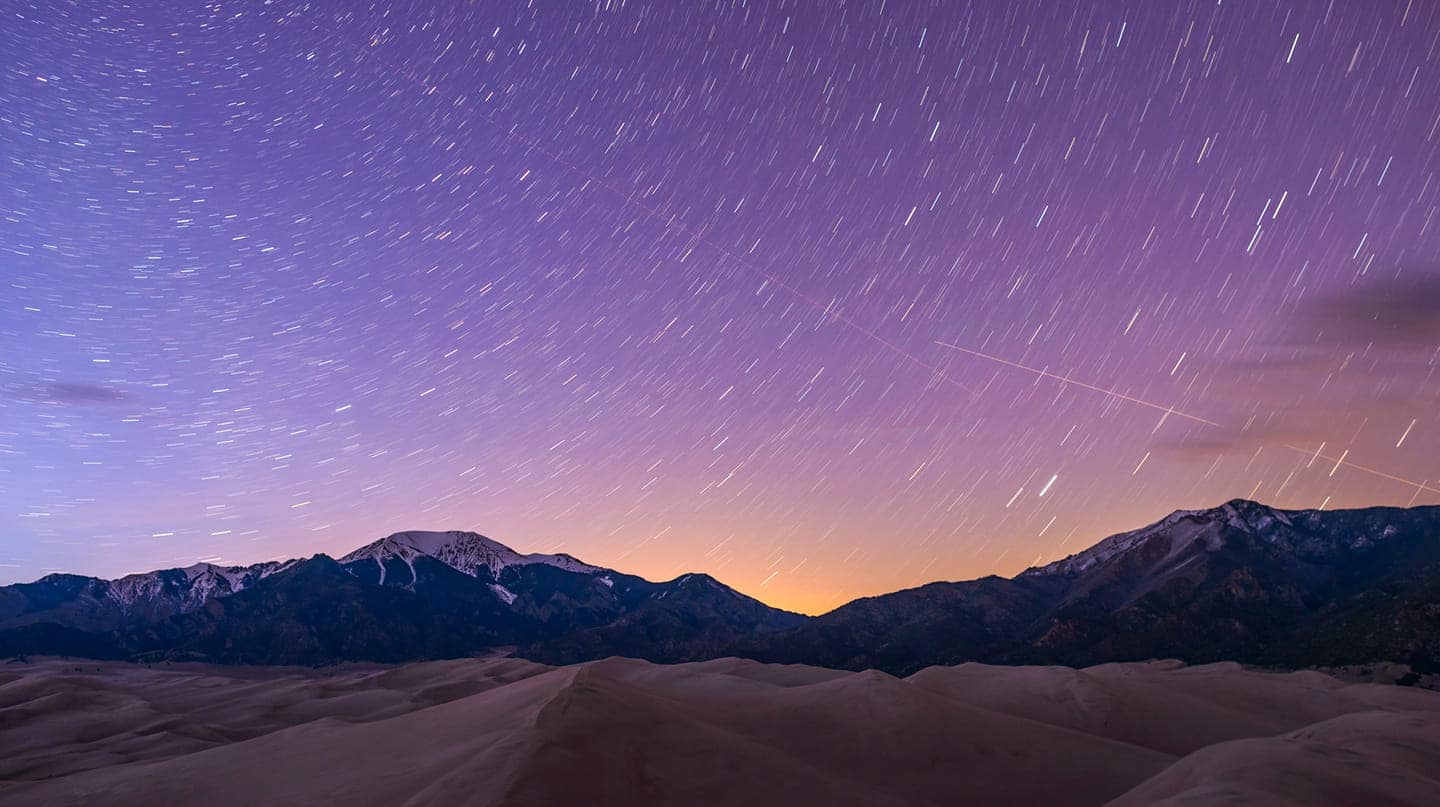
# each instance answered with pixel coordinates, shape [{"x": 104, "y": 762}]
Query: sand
[{"x": 619, "y": 732}]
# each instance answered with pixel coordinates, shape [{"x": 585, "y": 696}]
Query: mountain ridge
[
  {"x": 414, "y": 594},
  {"x": 1240, "y": 581}
]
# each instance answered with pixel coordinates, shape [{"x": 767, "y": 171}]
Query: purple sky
[{"x": 674, "y": 285}]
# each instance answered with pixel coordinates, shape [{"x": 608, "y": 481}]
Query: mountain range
[{"x": 1241, "y": 582}]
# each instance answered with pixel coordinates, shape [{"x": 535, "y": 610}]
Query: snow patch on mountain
[{"x": 503, "y": 593}]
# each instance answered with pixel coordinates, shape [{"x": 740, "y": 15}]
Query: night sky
[{"x": 825, "y": 299}]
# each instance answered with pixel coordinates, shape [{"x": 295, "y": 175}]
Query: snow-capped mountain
[
  {"x": 1300, "y": 532},
  {"x": 467, "y": 552},
  {"x": 1177, "y": 530}
]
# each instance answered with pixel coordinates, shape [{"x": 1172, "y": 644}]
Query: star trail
[{"x": 825, "y": 299}]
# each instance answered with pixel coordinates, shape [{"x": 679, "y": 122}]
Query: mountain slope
[
  {"x": 938, "y": 623},
  {"x": 316, "y": 613},
  {"x": 1251, "y": 583},
  {"x": 691, "y": 617}
]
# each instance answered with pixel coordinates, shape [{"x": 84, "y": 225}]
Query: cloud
[
  {"x": 1333, "y": 371},
  {"x": 1306, "y": 425},
  {"x": 79, "y": 394},
  {"x": 1398, "y": 313}
]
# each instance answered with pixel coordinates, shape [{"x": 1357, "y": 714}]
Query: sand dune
[
  {"x": 1167, "y": 706},
  {"x": 616, "y": 732},
  {"x": 1369, "y": 758}
]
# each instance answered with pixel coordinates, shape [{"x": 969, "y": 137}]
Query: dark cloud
[
  {"x": 1294, "y": 426},
  {"x": 1342, "y": 363},
  {"x": 70, "y": 392},
  {"x": 1398, "y": 313}
]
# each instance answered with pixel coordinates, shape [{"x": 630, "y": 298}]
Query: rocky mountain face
[{"x": 1239, "y": 582}]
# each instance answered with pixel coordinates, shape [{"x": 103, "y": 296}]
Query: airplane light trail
[
  {"x": 1168, "y": 410},
  {"x": 1340, "y": 461}
]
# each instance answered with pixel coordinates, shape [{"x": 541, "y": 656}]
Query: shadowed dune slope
[
  {"x": 1165, "y": 705},
  {"x": 1370, "y": 758},
  {"x": 615, "y": 732}
]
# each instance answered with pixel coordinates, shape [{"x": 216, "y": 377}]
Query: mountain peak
[
  {"x": 1243, "y": 509},
  {"x": 466, "y": 552},
  {"x": 435, "y": 543},
  {"x": 698, "y": 581},
  {"x": 1181, "y": 526}
]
